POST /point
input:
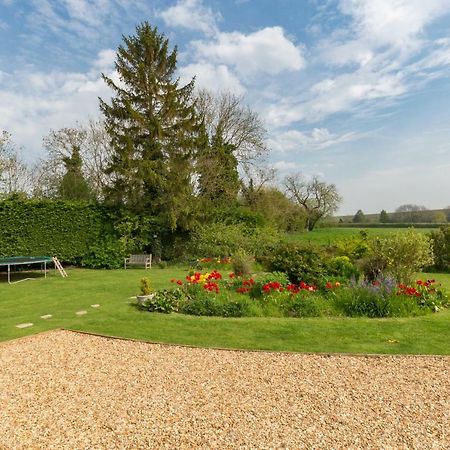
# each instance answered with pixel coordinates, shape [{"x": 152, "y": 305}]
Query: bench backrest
[{"x": 139, "y": 258}]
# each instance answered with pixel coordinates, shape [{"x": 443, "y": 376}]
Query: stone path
[{"x": 49, "y": 316}]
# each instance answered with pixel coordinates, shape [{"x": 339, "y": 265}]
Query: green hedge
[
  {"x": 65, "y": 229},
  {"x": 382, "y": 225}
]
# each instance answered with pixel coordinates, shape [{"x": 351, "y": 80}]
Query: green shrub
[
  {"x": 342, "y": 267},
  {"x": 299, "y": 263},
  {"x": 302, "y": 306},
  {"x": 441, "y": 249},
  {"x": 145, "y": 286},
  {"x": 360, "y": 301},
  {"x": 165, "y": 301},
  {"x": 215, "y": 306},
  {"x": 400, "y": 254},
  {"x": 107, "y": 254},
  {"x": 225, "y": 240},
  {"x": 264, "y": 278},
  {"x": 242, "y": 263},
  {"x": 354, "y": 248}
]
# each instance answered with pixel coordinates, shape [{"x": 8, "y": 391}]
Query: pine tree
[
  {"x": 152, "y": 125},
  {"x": 73, "y": 185}
]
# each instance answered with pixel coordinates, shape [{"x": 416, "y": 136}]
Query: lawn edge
[{"x": 244, "y": 350}]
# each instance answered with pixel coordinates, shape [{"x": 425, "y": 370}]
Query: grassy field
[
  {"x": 27, "y": 301},
  {"x": 328, "y": 236}
]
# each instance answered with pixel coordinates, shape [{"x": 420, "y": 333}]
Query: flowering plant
[{"x": 427, "y": 293}]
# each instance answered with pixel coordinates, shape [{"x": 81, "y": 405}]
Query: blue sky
[{"x": 356, "y": 91}]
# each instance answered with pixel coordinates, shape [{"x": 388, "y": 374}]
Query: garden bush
[
  {"x": 299, "y": 263},
  {"x": 302, "y": 306},
  {"x": 165, "y": 301},
  {"x": 441, "y": 249},
  {"x": 400, "y": 255},
  {"x": 225, "y": 240},
  {"x": 106, "y": 254}
]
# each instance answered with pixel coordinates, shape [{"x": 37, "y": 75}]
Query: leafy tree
[
  {"x": 278, "y": 210},
  {"x": 318, "y": 198},
  {"x": 359, "y": 217},
  {"x": 73, "y": 185},
  {"x": 384, "y": 217},
  {"x": 152, "y": 125}
]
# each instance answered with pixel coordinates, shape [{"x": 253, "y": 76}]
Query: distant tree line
[{"x": 408, "y": 213}]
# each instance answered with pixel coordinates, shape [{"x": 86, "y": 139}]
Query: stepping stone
[
  {"x": 95, "y": 306},
  {"x": 47, "y": 316},
  {"x": 81, "y": 313},
  {"x": 24, "y": 325}
]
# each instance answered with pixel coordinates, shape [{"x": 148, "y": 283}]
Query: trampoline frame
[{"x": 25, "y": 260}]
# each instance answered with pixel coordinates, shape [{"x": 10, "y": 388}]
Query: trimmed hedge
[
  {"x": 382, "y": 225},
  {"x": 65, "y": 229}
]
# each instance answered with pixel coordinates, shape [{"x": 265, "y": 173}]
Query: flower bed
[{"x": 271, "y": 294}]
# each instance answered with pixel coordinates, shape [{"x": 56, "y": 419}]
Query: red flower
[
  {"x": 232, "y": 275},
  {"x": 179, "y": 282}
]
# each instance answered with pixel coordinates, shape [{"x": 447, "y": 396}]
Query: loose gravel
[{"x": 65, "y": 390}]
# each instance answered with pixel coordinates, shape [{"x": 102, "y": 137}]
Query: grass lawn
[
  {"x": 327, "y": 236},
  {"x": 27, "y": 301}
]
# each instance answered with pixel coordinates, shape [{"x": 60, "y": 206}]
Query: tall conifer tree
[{"x": 152, "y": 124}]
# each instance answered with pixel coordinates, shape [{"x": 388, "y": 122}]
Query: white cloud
[
  {"x": 44, "y": 101},
  {"x": 285, "y": 167},
  {"x": 316, "y": 139},
  {"x": 211, "y": 77},
  {"x": 105, "y": 59},
  {"x": 382, "y": 56},
  {"x": 267, "y": 50},
  {"x": 191, "y": 14}
]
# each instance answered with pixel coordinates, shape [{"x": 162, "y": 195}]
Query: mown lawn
[
  {"x": 328, "y": 236},
  {"x": 27, "y": 301}
]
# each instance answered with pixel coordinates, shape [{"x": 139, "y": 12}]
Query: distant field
[{"x": 326, "y": 236}]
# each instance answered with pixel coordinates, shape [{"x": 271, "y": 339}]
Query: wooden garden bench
[{"x": 139, "y": 260}]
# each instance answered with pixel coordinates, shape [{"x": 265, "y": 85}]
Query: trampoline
[{"x": 13, "y": 262}]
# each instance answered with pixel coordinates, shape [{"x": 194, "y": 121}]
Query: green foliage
[
  {"x": 342, "y": 267},
  {"x": 225, "y": 240},
  {"x": 441, "y": 248},
  {"x": 65, "y": 229},
  {"x": 302, "y": 306},
  {"x": 361, "y": 301},
  {"x": 264, "y": 278},
  {"x": 145, "y": 286},
  {"x": 359, "y": 217},
  {"x": 384, "y": 217},
  {"x": 105, "y": 254},
  {"x": 299, "y": 263},
  {"x": 73, "y": 185},
  {"x": 242, "y": 263},
  {"x": 165, "y": 301},
  {"x": 402, "y": 254},
  {"x": 354, "y": 248},
  {"x": 216, "y": 306},
  {"x": 153, "y": 126},
  {"x": 275, "y": 207}
]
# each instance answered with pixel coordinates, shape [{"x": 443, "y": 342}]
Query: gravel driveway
[{"x": 65, "y": 390}]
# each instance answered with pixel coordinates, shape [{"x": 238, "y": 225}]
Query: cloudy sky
[{"x": 356, "y": 91}]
